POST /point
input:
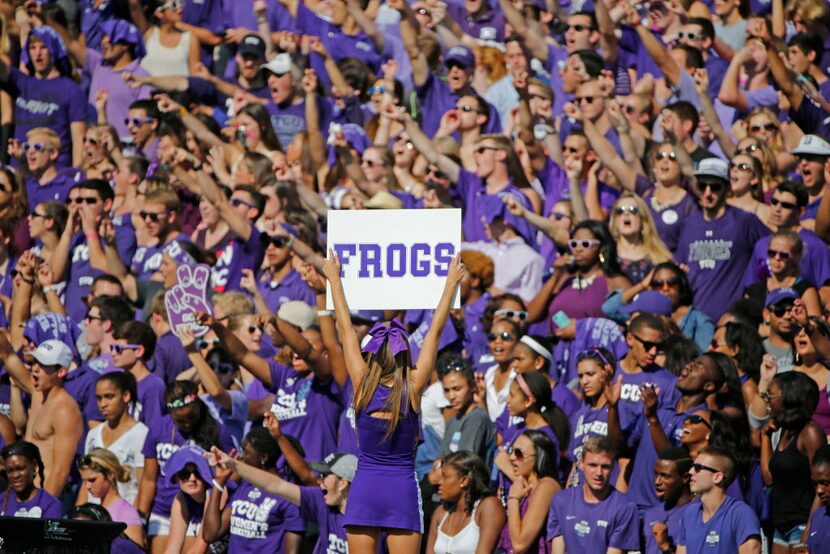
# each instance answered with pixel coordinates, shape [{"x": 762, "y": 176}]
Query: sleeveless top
[
  {"x": 162, "y": 61},
  {"x": 397, "y": 451},
  {"x": 822, "y": 413},
  {"x": 581, "y": 298},
  {"x": 463, "y": 542},
  {"x": 540, "y": 546},
  {"x": 792, "y": 489}
]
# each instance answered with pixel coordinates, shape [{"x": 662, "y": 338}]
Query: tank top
[
  {"x": 792, "y": 488},
  {"x": 580, "y": 298},
  {"x": 397, "y": 451},
  {"x": 540, "y": 546},
  {"x": 463, "y": 542},
  {"x": 162, "y": 61},
  {"x": 822, "y": 413}
]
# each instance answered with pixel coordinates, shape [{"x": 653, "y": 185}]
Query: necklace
[{"x": 580, "y": 283}]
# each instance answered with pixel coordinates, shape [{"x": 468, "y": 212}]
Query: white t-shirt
[{"x": 128, "y": 451}]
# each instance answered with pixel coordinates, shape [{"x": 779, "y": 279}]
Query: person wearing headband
[{"x": 534, "y": 353}]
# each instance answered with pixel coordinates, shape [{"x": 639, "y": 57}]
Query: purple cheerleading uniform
[
  {"x": 259, "y": 520},
  {"x": 328, "y": 519},
  {"x": 290, "y": 287},
  {"x": 717, "y": 253},
  {"x": 41, "y": 505},
  {"x": 390, "y": 461},
  {"x": 236, "y": 254},
  {"x": 610, "y": 523},
  {"x": 659, "y": 514},
  {"x": 307, "y": 408},
  {"x": 732, "y": 525},
  {"x": 53, "y": 103},
  {"x": 162, "y": 441}
]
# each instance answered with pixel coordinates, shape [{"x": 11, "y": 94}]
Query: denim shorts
[{"x": 790, "y": 536}]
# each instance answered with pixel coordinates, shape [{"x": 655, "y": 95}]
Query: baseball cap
[
  {"x": 53, "y": 352},
  {"x": 383, "y": 200},
  {"x": 252, "y": 45},
  {"x": 461, "y": 55},
  {"x": 713, "y": 167},
  {"x": 342, "y": 465},
  {"x": 188, "y": 454},
  {"x": 777, "y": 295},
  {"x": 279, "y": 64},
  {"x": 297, "y": 313},
  {"x": 650, "y": 302},
  {"x": 812, "y": 145}
]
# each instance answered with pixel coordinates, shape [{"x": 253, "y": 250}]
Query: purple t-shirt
[
  {"x": 169, "y": 358},
  {"x": 814, "y": 266},
  {"x": 163, "y": 439},
  {"x": 630, "y": 407},
  {"x": 259, "y": 520},
  {"x": 147, "y": 259},
  {"x": 473, "y": 190},
  {"x": 611, "y": 523},
  {"x": 488, "y": 26},
  {"x": 288, "y": 120},
  {"x": 42, "y": 505},
  {"x": 659, "y": 514},
  {"x": 436, "y": 99},
  {"x": 717, "y": 253},
  {"x": 291, "y": 287},
  {"x": 53, "y": 103},
  {"x": 669, "y": 219},
  {"x": 121, "y": 94},
  {"x": 819, "y": 529},
  {"x": 236, "y": 255},
  {"x": 328, "y": 519},
  {"x": 56, "y": 189},
  {"x": 307, "y": 408},
  {"x": 732, "y": 525}
]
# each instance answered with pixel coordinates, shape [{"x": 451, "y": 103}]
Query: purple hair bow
[{"x": 395, "y": 333}]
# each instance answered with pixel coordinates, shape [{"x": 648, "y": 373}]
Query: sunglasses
[
  {"x": 504, "y": 335},
  {"x": 585, "y": 99},
  {"x": 82, "y": 200},
  {"x": 786, "y": 205},
  {"x": 743, "y": 166},
  {"x": 519, "y": 454},
  {"x": 573, "y": 244},
  {"x": 649, "y": 345},
  {"x": 406, "y": 141},
  {"x": 435, "y": 172},
  {"x": 254, "y": 328},
  {"x": 666, "y": 156},
  {"x": 38, "y": 214},
  {"x": 521, "y": 315},
  {"x": 120, "y": 348},
  {"x": 670, "y": 282},
  {"x": 379, "y": 90},
  {"x": 466, "y": 109},
  {"x": 236, "y": 202},
  {"x": 483, "y": 149},
  {"x": 36, "y": 146},
  {"x": 691, "y": 36},
  {"x": 593, "y": 354},
  {"x": 569, "y": 150},
  {"x": 208, "y": 343},
  {"x": 714, "y": 186},
  {"x": 137, "y": 121},
  {"x": 279, "y": 241},
  {"x": 372, "y": 163},
  {"x": 784, "y": 256},
  {"x": 620, "y": 210},
  {"x": 697, "y": 468},
  {"x": 629, "y": 109},
  {"x": 152, "y": 216},
  {"x": 750, "y": 148},
  {"x": 185, "y": 474},
  {"x": 697, "y": 420},
  {"x": 559, "y": 216},
  {"x": 90, "y": 140},
  {"x": 781, "y": 309},
  {"x": 579, "y": 28},
  {"x": 766, "y": 127}
]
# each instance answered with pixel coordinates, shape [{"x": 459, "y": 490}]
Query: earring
[
  {"x": 601, "y": 258},
  {"x": 707, "y": 436}
]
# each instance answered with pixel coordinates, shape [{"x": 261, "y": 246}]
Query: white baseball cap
[
  {"x": 812, "y": 145},
  {"x": 713, "y": 167},
  {"x": 53, "y": 353},
  {"x": 279, "y": 64}
]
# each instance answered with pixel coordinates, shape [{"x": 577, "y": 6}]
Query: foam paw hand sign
[{"x": 188, "y": 296}]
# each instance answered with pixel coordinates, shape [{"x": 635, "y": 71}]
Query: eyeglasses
[
  {"x": 657, "y": 284},
  {"x": 208, "y": 343},
  {"x": 379, "y": 90},
  {"x": 697, "y": 420},
  {"x": 691, "y": 36},
  {"x": 37, "y": 214},
  {"x": 585, "y": 99},
  {"x": 137, "y": 121},
  {"x": 593, "y": 353},
  {"x": 236, "y": 202},
  {"x": 784, "y": 256},
  {"x": 173, "y": 5},
  {"x": 579, "y": 28},
  {"x": 573, "y": 244},
  {"x": 254, "y": 328},
  {"x": 521, "y": 315},
  {"x": 504, "y": 335},
  {"x": 781, "y": 309},
  {"x": 743, "y": 166},
  {"x": 558, "y": 216},
  {"x": 748, "y": 149},
  {"x": 466, "y": 108},
  {"x": 620, "y": 210},
  {"x": 769, "y": 127},
  {"x": 36, "y": 146},
  {"x": 715, "y": 186},
  {"x": 647, "y": 344},
  {"x": 697, "y": 468},
  {"x": 766, "y": 396},
  {"x": 786, "y": 205},
  {"x": 406, "y": 141},
  {"x": 82, "y": 200},
  {"x": 90, "y": 140},
  {"x": 666, "y": 156},
  {"x": 519, "y": 454},
  {"x": 120, "y": 348},
  {"x": 152, "y": 216},
  {"x": 483, "y": 149},
  {"x": 90, "y": 317}
]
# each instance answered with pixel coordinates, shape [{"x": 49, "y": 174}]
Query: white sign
[{"x": 394, "y": 259}]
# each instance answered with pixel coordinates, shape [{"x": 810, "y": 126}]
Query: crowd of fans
[{"x": 640, "y": 362}]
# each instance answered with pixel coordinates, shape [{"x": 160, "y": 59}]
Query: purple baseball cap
[
  {"x": 188, "y": 454},
  {"x": 650, "y": 302},
  {"x": 777, "y": 295},
  {"x": 460, "y": 55}
]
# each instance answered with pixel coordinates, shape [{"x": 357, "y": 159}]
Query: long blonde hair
[
  {"x": 777, "y": 143},
  {"x": 103, "y": 461},
  {"x": 656, "y": 250},
  {"x": 382, "y": 366}
]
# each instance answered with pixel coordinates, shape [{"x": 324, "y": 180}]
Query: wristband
[
  {"x": 92, "y": 235},
  {"x": 323, "y": 313},
  {"x": 519, "y": 498},
  {"x": 216, "y": 485},
  {"x": 51, "y": 288},
  {"x": 182, "y": 111}
]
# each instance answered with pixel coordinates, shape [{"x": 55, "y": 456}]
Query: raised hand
[
  {"x": 223, "y": 464},
  {"x": 389, "y": 69},
  {"x": 187, "y": 297},
  {"x": 613, "y": 388},
  {"x": 312, "y": 278},
  {"x": 270, "y": 422},
  {"x": 769, "y": 369},
  {"x": 331, "y": 267},
  {"x": 187, "y": 338},
  {"x": 310, "y": 81},
  {"x": 648, "y": 395},
  {"x": 45, "y": 277},
  {"x": 573, "y": 167},
  {"x": 106, "y": 231},
  {"x": 248, "y": 280},
  {"x": 167, "y": 104},
  {"x": 513, "y": 206},
  {"x": 456, "y": 271}
]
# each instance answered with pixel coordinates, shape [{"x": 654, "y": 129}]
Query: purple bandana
[
  {"x": 124, "y": 32},
  {"x": 395, "y": 332},
  {"x": 54, "y": 43}
]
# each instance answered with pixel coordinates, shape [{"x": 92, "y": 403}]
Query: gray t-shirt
[
  {"x": 473, "y": 431},
  {"x": 784, "y": 356},
  {"x": 734, "y": 35}
]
